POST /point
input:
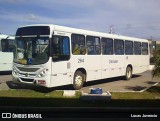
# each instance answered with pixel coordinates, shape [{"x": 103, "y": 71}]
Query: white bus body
[
  {"x": 64, "y": 66},
  {"x": 6, "y": 54}
]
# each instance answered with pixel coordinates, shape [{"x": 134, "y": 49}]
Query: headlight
[{"x": 42, "y": 73}]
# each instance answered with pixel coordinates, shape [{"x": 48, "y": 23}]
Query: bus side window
[
  {"x": 7, "y": 45},
  {"x": 4, "y": 45},
  {"x": 128, "y": 47},
  {"x": 137, "y": 48},
  {"x": 78, "y": 44},
  {"x": 107, "y": 46},
  {"x": 93, "y": 45},
  {"x": 119, "y": 47},
  {"x": 144, "y": 48}
]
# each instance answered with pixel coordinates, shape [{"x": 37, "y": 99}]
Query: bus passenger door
[{"x": 61, "y": 74}]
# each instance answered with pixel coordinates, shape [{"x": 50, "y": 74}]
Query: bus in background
[
  {"x": 52, "y": 55},
  {"x": 6, "y": 52}
]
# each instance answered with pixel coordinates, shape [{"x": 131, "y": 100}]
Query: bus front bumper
[{"x": 43, "y": 81}]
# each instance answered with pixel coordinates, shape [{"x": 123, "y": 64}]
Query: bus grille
[
  {"x": 27, "y": 69},
  {"x": 27, "y": 80}
]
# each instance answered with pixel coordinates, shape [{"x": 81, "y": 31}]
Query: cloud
[
  {"x": 129, "y": 17},
  {"x": 31, "y": 17},
  {"x": 15, "y": 17}
]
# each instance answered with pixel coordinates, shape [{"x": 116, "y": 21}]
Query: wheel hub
[
  {"x": 78, "y": 80},
  {"x": 129, "y": 73}
]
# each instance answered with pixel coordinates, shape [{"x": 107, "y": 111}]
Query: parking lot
[{"x": 139, "y": 82}]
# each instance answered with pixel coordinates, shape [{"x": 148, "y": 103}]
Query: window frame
[
  {"x": 112, "y": 49},
  {"x": 7, "y": 41},
  {"x": 132, "y": 47},
  {"x": 144, "y": 50},
  {"x": 115, "y": 46},
  {"x": 140, "y": 48},
  {"x": 73, "y": 34},
  {"x": 94, "y": 46}
]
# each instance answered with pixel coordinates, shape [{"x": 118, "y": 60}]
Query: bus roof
[
  {"x": 4, "y": 36},
  {"x": 86, "y": 32}
]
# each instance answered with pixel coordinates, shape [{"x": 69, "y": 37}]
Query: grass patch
[
  {"x": 151, "y": 93},
  {"x": 149, "y": 98},
  {"x": 30, "y": 94}
]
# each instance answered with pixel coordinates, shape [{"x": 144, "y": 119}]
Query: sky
[{"x": 135, "y": 18}]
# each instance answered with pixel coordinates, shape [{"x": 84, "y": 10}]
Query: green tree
[{"x": 156, "y": 69}]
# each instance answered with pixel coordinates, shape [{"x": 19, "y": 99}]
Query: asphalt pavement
[{"x": 138, "y": 83}]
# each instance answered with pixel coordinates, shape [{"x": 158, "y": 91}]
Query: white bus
[
  {"x": 52, "y": 55},
  {"x": 6, "y": 52}
]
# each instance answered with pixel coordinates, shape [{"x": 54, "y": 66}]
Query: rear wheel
[
  {"x": 128, "y": 75},
  {"x": 78, "y": 80}
]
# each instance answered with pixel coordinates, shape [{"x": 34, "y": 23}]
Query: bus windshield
[{"x": 31, "y": 50}]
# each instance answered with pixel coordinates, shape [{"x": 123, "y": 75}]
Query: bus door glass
[{"x": 60, "y": 60}]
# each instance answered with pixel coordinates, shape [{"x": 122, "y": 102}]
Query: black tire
[
  {"x": 128, "y": 75},
  {"x": 78, "y": 80}
]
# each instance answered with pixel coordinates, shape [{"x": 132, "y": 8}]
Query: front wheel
[
  {"x": 78, "y": 80},
  {"x": 128, "y": 75}
]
